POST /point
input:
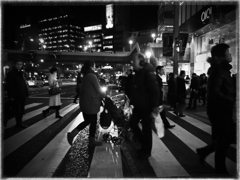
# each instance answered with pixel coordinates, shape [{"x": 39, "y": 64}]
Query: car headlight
[{"x": 104, "y": 88}]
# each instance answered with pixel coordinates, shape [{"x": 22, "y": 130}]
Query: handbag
[
  {"x": 158, "y": 126},
  {"x": 54, "y": 91}
]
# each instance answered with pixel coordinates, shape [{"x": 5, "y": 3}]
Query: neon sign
[
  {"x": 109, "y": 16},
  {"x": 25, "y": 26},
  {"x": 206, "y": 14},
  {"x": 93, "y": 28}
]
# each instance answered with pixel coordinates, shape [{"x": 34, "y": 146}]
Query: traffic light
[{"x": 178, "y": 45}]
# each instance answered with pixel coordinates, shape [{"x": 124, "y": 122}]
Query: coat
[
  {"x": 56, "y": 99},
  {"x": 181, "y": 87},
  {"x": 160, "y": 84},
  {"x": 91, "y": 94},
  {"x": 145, "y": 90},
  {"x": 221, "y": 92},
  {"x": 16, "y": 85}
]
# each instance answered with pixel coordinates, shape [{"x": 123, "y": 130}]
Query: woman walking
[
  {"x": 55, "y": 100},
  {"x": 90, "y": 102}
]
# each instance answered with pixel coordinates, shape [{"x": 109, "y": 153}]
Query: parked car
[{"x": 38, "y": 82}]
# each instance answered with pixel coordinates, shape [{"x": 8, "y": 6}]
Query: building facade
[
  {"x": 205, "y": 23},
  {"x": 61, "y": 33}
]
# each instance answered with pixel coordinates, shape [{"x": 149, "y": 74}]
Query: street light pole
[
  {"x": 175, "y": 35},
  {"x": 130, "y": 42},
  {"x": 90, "y": 45},
  {"x": 153, "y": 36}
]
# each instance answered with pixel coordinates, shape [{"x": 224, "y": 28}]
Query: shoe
[
  {"x": 201, "y": 156},
  {"x": 58, "y": 116},
  {"x": 143, "y": 155},
  {"x": 21, "y": 126},
  {"x": 69, "y": 138},
  {"x": 175, "y": 113},
  {"x": 181, "y": 115},
  {"x": 44, "y": 113},
  {"x": 169, "y": 126},
  {"x": 75, "y": 102}
]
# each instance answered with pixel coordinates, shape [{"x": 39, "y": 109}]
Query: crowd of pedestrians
[{"x": 144, "y": 87}]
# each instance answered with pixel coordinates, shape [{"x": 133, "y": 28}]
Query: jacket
[
  {"x": 160, "y": 84},
  {"x": 90, "y": 94},
  {"x": 194, "y": 83},
  {"x": 221, "y": 94},
  {"x": 181, "y": 88},
  {"x": 16, "y": 85},
  {"x": 145, "y": 89}
]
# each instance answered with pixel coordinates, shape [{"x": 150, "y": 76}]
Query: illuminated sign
[
  {"x": 206, "y": 14},
  {"x": 25, "y": 26},
  {"x": 93, "y": 28},
  {"x": 108, "y": 37},
  {"x": 109, "y": 16}
]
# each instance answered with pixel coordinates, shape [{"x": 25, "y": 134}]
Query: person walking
[
  {"x": 91, "y": 95},
  {"x": 78, "y": 87},
  {"x": 17, "y": 90},
  {"x": 194, "y": 90},
  {"x": 203, "y": 88},
  {"x": 221, "y": 97},
  {"x": 181, "y": 94},
  {"x": 145, "y": 99},
  {"x": 171, "y": 96},
  {"x": 159, "y": 73},
  {"x": 55, "y": 100}
]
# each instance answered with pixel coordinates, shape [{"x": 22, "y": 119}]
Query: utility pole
[{"x": 175, "y": 35}]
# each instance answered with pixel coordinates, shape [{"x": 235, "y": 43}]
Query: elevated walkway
[{"x": 65, "y": 57}]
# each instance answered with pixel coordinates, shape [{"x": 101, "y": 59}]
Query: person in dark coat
[
  {"x": 145, "y": 99},
  {"x": 128, "y": 83},
  {"x": 159, "y": 72},
  {"x": 78, "y": 87},
  {"x": 17, "y": 90},
  {"x": 221, "y": 97},
  {"x": 181, "y": 94},
  {"x": 91, "y": 96},
  {"x": 171, "y": 91},
  {"x": 203, "y": 88},
  {"x": 194, "y": 88}
]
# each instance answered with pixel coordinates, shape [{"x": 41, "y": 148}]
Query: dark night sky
[{"x": 142, "y": 16}]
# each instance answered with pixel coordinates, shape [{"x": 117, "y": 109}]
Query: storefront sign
[
  {"x": 25, "y": 26},
  {"x": 206, "y": 14}
]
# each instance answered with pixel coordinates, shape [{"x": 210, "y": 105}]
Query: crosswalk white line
[
  {"x": 12, "y": 121},
  {"x": 200, "y": 125},
  {"x": 193, "y": 143},
  {"x": 14, "y": 142},
  {"x": 45, "y": 163},
  {"x": 163, "y": 161},
  {"x": 32, "y": 105}
]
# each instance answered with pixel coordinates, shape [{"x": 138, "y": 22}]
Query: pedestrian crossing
[{"x": 106, "y": 161}]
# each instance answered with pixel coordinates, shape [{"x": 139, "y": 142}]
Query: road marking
[
  {"x": 163, "y": 161},
  {"x": 14, "y": 142},
  {"x": 193, "y": 143},
  {"x": 12, "y": 121},
  {"x": 32, "y": 105},
  {"x": 45, "y": 163}
]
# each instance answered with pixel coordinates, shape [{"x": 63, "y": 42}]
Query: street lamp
[
  {"x": 90, "y": 45},
  {"x": 130, "y": 42},
  {"x": 148, "y": 54},
  {"x": 153, "y": 36},
  {"x": 42, "y": 44}
]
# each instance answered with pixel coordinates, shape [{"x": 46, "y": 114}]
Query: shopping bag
[
  {"x": 158, "y": 126},
  {"x": 54, "y": 91}
]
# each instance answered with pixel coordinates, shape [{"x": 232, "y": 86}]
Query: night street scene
[{"x": 120, "y": 89}]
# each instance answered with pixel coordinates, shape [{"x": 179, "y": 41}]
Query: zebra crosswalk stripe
[
  {"x": 45, "y": 163},
  {"x": 14, "y": 142},
  {"x": 32, "y": 105}
]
